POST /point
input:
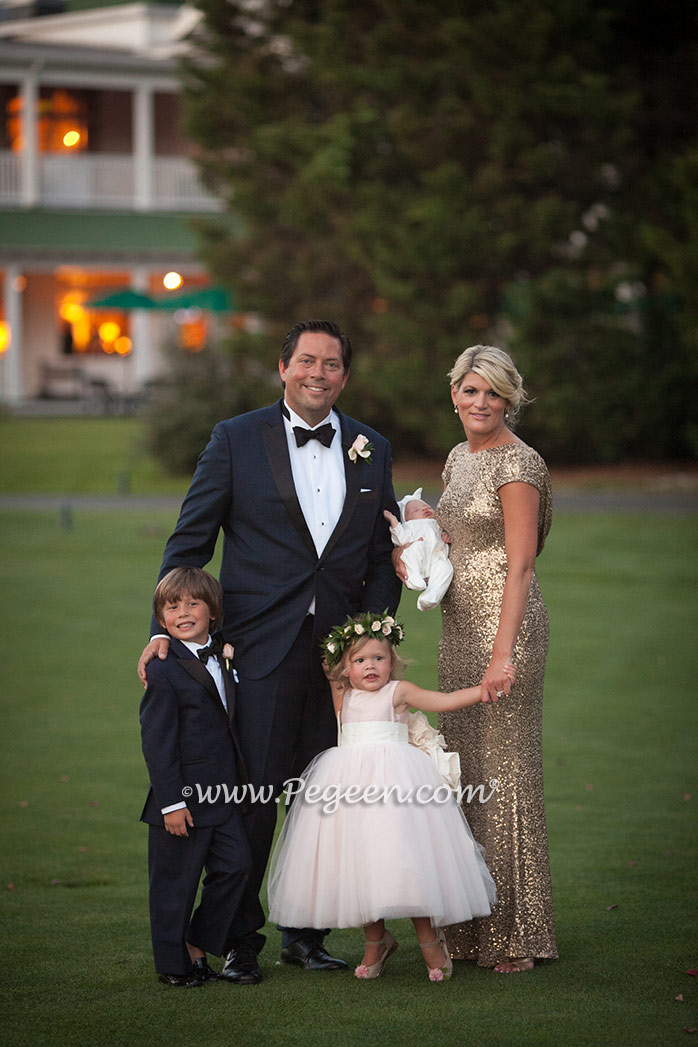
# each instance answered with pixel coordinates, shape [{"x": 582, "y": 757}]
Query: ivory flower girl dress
[{"x": 376, "y": 833}]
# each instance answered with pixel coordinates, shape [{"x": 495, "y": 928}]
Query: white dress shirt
[{"x": 318, "y": 476}]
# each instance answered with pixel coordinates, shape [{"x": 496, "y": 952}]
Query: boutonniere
[
  {"x": 228, "y": 652},
  {"x": 361, "y": 448}
]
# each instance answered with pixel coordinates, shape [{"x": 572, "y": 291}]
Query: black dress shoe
[
  {"x": 311, "y": 956},
  {"x": 202, "y": 969},
  {"x": 241, "y": 966},
  {"x": 182, "y": 981}
]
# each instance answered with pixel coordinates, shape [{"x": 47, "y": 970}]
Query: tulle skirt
[{"x": 376, "y": 834}]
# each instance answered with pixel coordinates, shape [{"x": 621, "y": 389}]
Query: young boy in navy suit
[{"x": 191, "y": 751}]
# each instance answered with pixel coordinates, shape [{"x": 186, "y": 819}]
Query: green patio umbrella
[
  {"x": 214, "y": 299},
  {"x": 125, "y": 299}
]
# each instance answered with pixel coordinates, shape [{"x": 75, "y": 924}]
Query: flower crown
[{"x": 381, "y": 626}]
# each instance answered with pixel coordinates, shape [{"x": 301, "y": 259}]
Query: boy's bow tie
[{"x": 214, "y": 648}]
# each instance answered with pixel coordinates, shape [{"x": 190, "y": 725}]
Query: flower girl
[{"x": 374, "y": 833}]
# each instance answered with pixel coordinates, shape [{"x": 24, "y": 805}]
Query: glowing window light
[
  {"x": 5, "y": 337},
  {"x": 123, "y": 345},
  {"x": 59, "y": 113},
  {"x": 72, "y": 312},
  {"x": 82, "y": 332},
  {"x": 192, "y": 332},
  {"x": 172, "y": 280},
  {"x": 109, "y": 331}
]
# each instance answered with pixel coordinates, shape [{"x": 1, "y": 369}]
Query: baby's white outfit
[{"x": 426, "y": 562}]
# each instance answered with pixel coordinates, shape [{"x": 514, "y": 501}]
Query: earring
[
  {"x": 506, "y": 416},
  {"x": 455, "y": 410}
]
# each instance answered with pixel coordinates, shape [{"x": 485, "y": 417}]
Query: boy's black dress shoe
[
  {"x": 310, "y": 955},
  {"x": 241, "y": 966},
  {"x": 182, "y": 981},
  {"x": 202, "y": 970}
]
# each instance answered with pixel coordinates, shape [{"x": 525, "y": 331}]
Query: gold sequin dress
[{"x": 499, "y": 744}]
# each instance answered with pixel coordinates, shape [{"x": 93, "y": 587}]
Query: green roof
[{"x": 61, "y": 236}]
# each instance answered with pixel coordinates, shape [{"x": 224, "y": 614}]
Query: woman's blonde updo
[{"x": 497, "y": 368}]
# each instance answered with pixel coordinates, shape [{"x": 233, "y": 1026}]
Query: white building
[{"x": 97, "y": 192}]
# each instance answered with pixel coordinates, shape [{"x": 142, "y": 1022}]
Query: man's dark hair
[{"x": 314, "y": 326}]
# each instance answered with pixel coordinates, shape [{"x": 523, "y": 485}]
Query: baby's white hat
[{"x": 408, "y": 498}]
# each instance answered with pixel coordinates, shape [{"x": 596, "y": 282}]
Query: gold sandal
[
  {"x": 375, "y": 969},
  {"x": 440, "y": 974}
]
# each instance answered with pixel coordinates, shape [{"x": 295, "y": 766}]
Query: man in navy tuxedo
[{"x": 299, "y": 491}]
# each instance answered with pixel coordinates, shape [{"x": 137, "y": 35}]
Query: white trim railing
[
  {"x": 104, "y": 180},
  {"x": 10, "y": 177}
]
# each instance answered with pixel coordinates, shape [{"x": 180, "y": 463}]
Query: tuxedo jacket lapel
[
  {"x": 276, "y": 446},
  {"x": 198, "y": 671},
  {"x": 229, "y": 693},
  {"x": 196, "y": 668}
]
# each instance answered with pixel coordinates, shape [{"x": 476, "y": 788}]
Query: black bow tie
[
  {"x": 214, "y": 648},
  {"x": 324, "y": 433}
]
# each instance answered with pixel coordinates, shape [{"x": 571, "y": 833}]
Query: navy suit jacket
[
  {"x": 188, "y": 737},
  {"x": 270, "y": 569}
]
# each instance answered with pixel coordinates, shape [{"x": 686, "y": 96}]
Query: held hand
[
  {"x": 338, "y": 687},
  {"x": 157, "y": 648},
  {"x": 176, "y": 822},
  {"x": 325, "y": 668},
  {"x": 398, "y": 565},
  {"x": 496, "y": 685}
]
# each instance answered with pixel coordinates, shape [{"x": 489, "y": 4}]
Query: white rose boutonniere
[{"x": 361, "y": 448}]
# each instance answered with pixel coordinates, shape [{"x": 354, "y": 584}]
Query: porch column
[
  {"x": 143, "y": 146},
  {"x": 29, "y": 93},
  {"x": 142, "y": 332},
  {"x": 13, "y": 386}
]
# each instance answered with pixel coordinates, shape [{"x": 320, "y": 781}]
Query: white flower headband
[{"x": 381, "y": 626}]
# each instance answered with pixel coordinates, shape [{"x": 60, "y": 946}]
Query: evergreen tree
[{"x": 434, "y": 173}]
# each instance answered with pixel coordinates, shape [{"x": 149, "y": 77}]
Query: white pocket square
[{"x": 365, "y": 490}]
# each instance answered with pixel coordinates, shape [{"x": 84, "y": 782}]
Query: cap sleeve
[
  {"x": 449, "y": 463},
  {"x": 524, "y": 465}
]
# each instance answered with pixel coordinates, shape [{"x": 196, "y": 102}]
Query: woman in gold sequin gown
[{"x": 496, "y": 509}]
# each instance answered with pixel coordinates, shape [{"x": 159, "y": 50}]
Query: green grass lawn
[
  {"x": 80, "y": 456},
  {"x": 620, "y": 729}
]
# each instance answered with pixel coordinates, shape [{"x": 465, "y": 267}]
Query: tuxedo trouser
[
  {"x": 175, "y": 865},
  {"x": 283, "y": 721}
]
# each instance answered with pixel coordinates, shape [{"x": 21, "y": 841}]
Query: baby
[{"x": 429, "y": 569}]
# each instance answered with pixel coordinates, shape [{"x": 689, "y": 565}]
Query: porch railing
[{"x": 104, "y": 180}]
